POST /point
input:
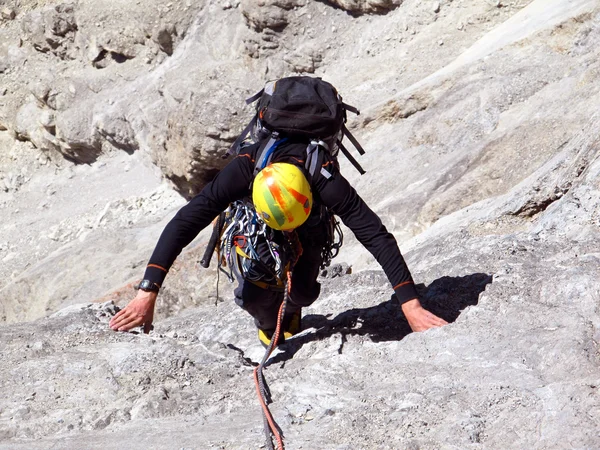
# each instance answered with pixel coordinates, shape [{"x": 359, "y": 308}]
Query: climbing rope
[{"x": 272, "y": 430}]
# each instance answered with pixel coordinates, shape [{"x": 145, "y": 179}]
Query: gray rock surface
[
  {"x": 51, "y": 30},
  {"x": 272, "y": 14},
  {"x": 481, "y": 125}
]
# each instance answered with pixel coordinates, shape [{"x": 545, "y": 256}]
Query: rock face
[
  {"x": 89, "y": 112},
  {"x": 482, "y": 134}
]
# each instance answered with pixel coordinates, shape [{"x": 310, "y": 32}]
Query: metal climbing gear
[
  {"x": 255, "y": 250},
  {"x": 335, "y": 239}
]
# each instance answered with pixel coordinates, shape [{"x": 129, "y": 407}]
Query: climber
[{"x": 295, "y": 191}]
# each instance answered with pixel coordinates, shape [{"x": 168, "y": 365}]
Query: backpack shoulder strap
[
  {"x": 315, "y": 159},
  {"x": 265, "y": 151},
  {"x": 352, "y": 109}
]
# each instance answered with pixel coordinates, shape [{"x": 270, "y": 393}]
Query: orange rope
[
  {"x": 267, "y": 413},
  {"x": 258, "y": 376}
]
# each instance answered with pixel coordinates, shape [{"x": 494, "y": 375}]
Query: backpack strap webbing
[
  {"x": 352, "y": 109},
  {"x": 350, "y": 157},
  {"x": 314, "y": 158},
  {"x": 255, "y": 97},
  {"x": 353, "y": 140},
  {"x": 235, "y": 148}
]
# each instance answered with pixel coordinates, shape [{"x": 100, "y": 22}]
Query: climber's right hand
[
  {"x": 140, "y": 311},
  {"x": 419, "y": 318}
]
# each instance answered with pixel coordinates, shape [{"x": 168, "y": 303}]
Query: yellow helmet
[{"x": 282, "y": 197}]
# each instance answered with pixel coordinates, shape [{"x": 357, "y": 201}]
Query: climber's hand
[
  {"x": 140, "y": 311},
  {"x": 419, "y": 318}
]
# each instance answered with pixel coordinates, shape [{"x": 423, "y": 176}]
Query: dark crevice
[
  {"x": 358, "y": 13},
  {"x": 21, "y": 138},
  {"x": 127, "y": 147},
  {"x": 99, "y": 58},
  {"x": 276, "y": 28},
  {"x": 246, "y": 361},
  {"x": 80, "y": 159},
  {"x": 82, "y": 154},
  {"x": 105, "y": 56},
  {"x": 531, "y": 209},
  {"x": 188, "y": 188},
  {"x": 118, "y": 57}
]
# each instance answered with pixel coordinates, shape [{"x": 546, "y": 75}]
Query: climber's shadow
[{"x": 446, "y": 297}]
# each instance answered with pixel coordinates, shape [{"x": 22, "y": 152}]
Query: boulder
[
  {"x": 8, "y": 13},
  {"x": 51, "y": 30},
  {"x": 272, "y": 14}
]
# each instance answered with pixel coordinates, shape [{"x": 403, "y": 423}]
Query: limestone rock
[
  {"x": 305, "y": 60},
  {"x": 117, "y": 131},
  {"x": 78, "y": 138},
  {"x": 52, "y": 29},
  {"x": 190, "y": 151},
  {"x": 272, "y": 14},
  {"x": 33, "y": 124},
  {"x": 8, "y": 13},
  {"x": 115, "y": 46}
]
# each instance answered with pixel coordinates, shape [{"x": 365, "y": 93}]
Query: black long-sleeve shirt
[{"x": 336, "y": 193}]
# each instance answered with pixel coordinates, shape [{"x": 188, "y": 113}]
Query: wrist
[
  {"x": 148, "y": 286},
  {"x": 406, "y": 291},
  {"x": 411, "y": 305},
  {"x": 147, "y": 296}
]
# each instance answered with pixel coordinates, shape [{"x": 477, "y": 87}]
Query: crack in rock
[{"x": 245, "y": 360}]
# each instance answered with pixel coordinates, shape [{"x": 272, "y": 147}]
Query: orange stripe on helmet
[{"x": 302, "y": 199}]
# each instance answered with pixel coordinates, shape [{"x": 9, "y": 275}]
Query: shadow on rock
[{"x": 445, "y": 297}]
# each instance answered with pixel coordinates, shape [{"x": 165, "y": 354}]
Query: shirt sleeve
[
  {"x": 232, "y": 183},
  {"x": 337, "y": 194}
]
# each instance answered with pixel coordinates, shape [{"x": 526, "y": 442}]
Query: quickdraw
[
  {"x": 243, "y": 233},
  {"x": 335, "y": 240}
]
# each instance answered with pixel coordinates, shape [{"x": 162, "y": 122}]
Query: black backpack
[{"x": 305, "y": 107}]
